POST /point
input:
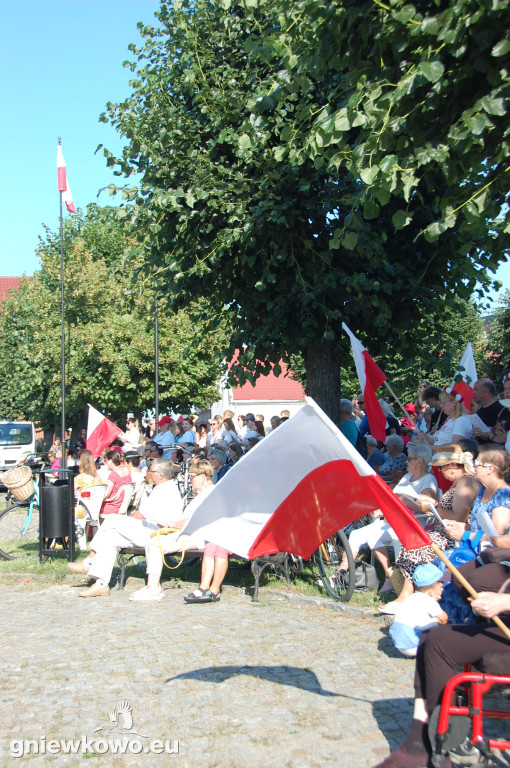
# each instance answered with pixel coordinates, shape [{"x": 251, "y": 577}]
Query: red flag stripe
[{"x": 327, "y": 499}]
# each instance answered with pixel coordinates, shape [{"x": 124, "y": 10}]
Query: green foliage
[
  {"x": 300, "y": 180},
  {"x": 109, "y": 334},
  {"x": 498, "y": 341}
]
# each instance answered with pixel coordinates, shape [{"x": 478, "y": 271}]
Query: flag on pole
[
  {"x": 370, "y": 379},
  {"x": 63, "y": 184},
  {"x": 101, "y": 432},
  {"x": 465, "y": 376},
  {"x": 294, "y": 489}
]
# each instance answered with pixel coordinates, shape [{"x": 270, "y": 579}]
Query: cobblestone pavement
[{"x": 236, "y": 683}]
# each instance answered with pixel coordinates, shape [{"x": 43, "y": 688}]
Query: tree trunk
[{"x": 323, "y": 376}]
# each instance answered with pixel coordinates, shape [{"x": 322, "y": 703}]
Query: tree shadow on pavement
[{"x": 303, "y": 679}]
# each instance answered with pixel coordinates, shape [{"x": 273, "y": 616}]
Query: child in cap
[{"x": 419, "y": 611}]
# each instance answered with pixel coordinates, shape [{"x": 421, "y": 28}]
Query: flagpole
[
  {"x": 63, "y": 461},
  {"x": 411, "y": 419},
  {"x": 466, "y": 584},
  {"x": 156, "y": 360}
]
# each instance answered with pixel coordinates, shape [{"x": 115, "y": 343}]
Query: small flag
[
  {"x": 294, "y": 489},
  {"x": 465, "y": 376},
  {"x": 370, "y": 379},
  {"x": 101, "y": 432},
  {"x": 63, "y": 185}
]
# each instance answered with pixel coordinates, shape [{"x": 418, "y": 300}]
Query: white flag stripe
[
  {"x": 359, "y": 361},
  {"x": 256, "y": 485},
  {"x": 95, "y": 418}
]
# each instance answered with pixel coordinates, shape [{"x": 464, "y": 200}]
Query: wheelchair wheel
[
  {"x": 459, "y": 729},
  {"x": 338, "y": 584}
]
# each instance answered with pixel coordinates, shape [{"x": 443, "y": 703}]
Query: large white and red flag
[
  {"x": 63, "y": 184},
  {"x": 370, "y": 379},
  {"x": 294, "y": 489},
  {"x": 465, "y": 376},
  {"x": 101, "y": 432}
]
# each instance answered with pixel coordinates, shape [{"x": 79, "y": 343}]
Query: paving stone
[{"x": 279, "y": 683}]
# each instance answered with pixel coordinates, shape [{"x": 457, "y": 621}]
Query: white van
[{"x": 17, "y": 441}]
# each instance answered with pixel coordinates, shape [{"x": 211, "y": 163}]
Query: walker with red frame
[{"x": 461, "y": 714}]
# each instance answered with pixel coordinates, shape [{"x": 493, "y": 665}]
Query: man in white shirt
[{"x": 118, "y": 531}]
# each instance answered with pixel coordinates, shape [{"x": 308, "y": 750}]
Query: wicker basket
[{"x": 19, "y": 482}]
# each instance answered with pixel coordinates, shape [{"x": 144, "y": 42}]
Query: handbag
[{"x": 366, "y": 578}]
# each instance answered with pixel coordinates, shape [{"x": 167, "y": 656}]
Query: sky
[{"x": 61, "y": 63}]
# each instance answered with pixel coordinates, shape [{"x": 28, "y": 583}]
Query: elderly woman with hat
[{"x": 457, "y": 466}]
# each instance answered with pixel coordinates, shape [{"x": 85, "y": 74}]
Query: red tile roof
[
  {"x": 271, "y": 387},
  {"x": 6, "y": 284}
]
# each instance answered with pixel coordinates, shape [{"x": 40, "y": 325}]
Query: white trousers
[
  {"x": 377, "y": 534},
  {"x": 116, "y": 532},
  {"x": 170, "y": 545}
]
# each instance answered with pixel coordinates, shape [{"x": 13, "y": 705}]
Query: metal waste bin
[{"x": 56, "y": 521}]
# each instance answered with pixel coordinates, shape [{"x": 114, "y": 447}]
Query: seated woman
[
  {"x": 228, "y": 432},
  {"x": 119, "y": 476},
  {"x": 395, "y": 460},
  {"x": 131, "y": 438},
  {"x": 87, "y": 473},
  {"x": 375, "y": 458},
  {"x": 458, "y": 468},
  {"x": 440, "y": 652},
  {"x": 417, "y": 481},
  {"x": 491, "y": 469},
  {"x": 348, "y": 425}
]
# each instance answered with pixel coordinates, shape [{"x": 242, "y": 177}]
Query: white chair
[
  {"x": 137, "y": 497},
  {"x": 90, "y": 506},
  {"x": 128, "y": 490}
]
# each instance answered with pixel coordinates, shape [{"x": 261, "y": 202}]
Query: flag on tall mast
[{"x": 63, "y": 184}]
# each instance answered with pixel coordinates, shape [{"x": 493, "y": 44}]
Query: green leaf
[
  {"x": 432, "y": 70},
  {"x": 368, "y": 175},
  {"x": 244, "y": 141},
  {"x": 371, "y": 210},
  {"x": 401, "y": 219},
  {"x": 501, "y": 48},
  {"x": 350, "y": 241}
]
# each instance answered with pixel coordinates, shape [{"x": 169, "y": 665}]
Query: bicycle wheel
[
  {"x": 338, "y": 584},
  {"x": 19, "y": 533}
]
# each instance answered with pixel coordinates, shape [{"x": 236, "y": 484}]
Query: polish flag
[
  {"x": 370, "y": 379},
  {"x": 101, "y": 432},
  {"x": 465, "y": 376},
  {"x": 294, "y": 489},
  {"x": 63, "y": 185}
]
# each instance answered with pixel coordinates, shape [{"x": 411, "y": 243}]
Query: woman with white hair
[
  {"x": 375, "y": 458},
  {"x": 395, "y": 461}
]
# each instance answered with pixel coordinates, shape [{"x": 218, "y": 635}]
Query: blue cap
[{"x": 426, "y": 575}]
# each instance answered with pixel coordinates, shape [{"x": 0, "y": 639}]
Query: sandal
[{"x": 202, "y": 596}]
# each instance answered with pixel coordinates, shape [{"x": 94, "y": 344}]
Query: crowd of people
[
  {"x": 448, "y": 464},
  {"x": 160, "y": 460}
]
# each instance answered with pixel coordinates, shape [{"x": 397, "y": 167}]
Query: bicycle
[
  {"x": 338, "y": 584},
  {"x": 19, "y": 521}
]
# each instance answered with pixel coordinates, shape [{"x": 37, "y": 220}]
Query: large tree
[
  {"x": 250, "y": 121},
  {"x": 109, "y": 330}
]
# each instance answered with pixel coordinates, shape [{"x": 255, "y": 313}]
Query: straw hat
[{"x": 453, "y": 454}]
